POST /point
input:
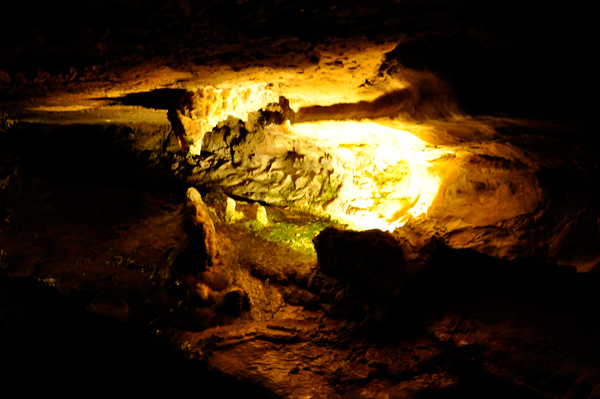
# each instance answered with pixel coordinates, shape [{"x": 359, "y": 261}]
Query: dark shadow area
[
  {"x": 474, "y": 382},
  {"x": 479, "y": 284},
  {"x": 494, "y": 74},
  {"x": 96, "y": 154},
  {"x": 555, "y": 310},
  {"x": 156, "y": 99},
  {"x": 52, "y": 348}
]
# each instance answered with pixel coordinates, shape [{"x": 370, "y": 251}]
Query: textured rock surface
[{"x": 265, "y": 164}]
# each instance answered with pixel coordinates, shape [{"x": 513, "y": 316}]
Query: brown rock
[{"x": 370, "y": 260}]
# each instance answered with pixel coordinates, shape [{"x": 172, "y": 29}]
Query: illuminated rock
[
  {"x": 203, "y": 226},
  {"x": 261, "y": 216},
  {"x": 231, "y": 215},
  {"x": 200, "y": 110},
  {"x": 263, "y": 163}
]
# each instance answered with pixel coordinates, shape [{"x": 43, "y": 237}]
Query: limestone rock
[
  {"x": 231, "y": 215},
  {"x": 197, "y": 111},
  {"x": 267, "y": 164},
  {"x": 261, "y": 216},
  {"x": 203, "y": 226}
]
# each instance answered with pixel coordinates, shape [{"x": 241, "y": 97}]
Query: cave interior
[{"x": 299, "y": 199}]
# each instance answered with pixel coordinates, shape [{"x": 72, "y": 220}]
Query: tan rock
[
  {"x": 199, "y": 215},
  {"x": 261, "y": 216},
  {"x": 231, "y": 215}
]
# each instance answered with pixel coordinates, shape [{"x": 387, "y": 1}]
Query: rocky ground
[{"x": 130, "y": 268}]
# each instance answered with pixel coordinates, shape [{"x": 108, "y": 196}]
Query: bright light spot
[{"x": 385, "y": 174}]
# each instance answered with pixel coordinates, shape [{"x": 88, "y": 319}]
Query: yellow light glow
[
  {"x": 385, "y": 174},
  {"x": 61, "y": 108}
]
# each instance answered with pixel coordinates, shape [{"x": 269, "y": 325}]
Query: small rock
[
  {"x": 261, "y": 216},
  {"x": 193, "y": 195},
  {"x": 231, "y": 215}
]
